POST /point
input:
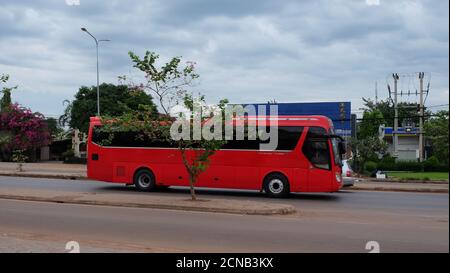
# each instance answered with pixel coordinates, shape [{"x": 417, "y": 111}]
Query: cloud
[
  {"x": 373, "y": 2},
  {"x": 247, "y": 51}
]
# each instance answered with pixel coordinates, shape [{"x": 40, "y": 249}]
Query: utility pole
[
  {"x": 394, "y": 133},
  {"x": 376, "y": 93},
  {"x": 421, "y": 113}
]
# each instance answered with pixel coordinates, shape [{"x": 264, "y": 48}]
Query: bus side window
[
  {"x": 128, "y": 139},
  {"x": 98, "y": 137},
  {"x": 316, "y": 148},
  {"x": 287, "y": 140}
]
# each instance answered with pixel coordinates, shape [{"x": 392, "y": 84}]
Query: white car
[{"x": 347, "y": 174}]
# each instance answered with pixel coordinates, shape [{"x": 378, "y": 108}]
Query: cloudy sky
[{"x": 245, "y": 50}]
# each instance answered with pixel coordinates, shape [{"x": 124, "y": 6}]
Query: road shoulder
[{"x": 148, "y": 201}]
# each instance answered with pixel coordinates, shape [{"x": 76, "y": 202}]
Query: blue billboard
[{"x": 338, "y": 112}]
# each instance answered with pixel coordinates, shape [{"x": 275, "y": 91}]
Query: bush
[
  {"x": 75, "y": 160},
  {"x": 387, "y": 163},
  {"x": 19, "y": 156},
  {"x": 70, "y": 158},
  {"x": 388, "y": 160},
  {"x": 433, "y": 164},
  {"x": 370, "y": 166},
  {"x": 68, "y": 154},
  {"x": 412, "y": 166},
  {"x": 442, "y": 168},
  {"x": 430, "y": 165},
  {"x": 21, "y": 129}
]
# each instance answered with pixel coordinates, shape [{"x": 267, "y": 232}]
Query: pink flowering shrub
[{"x": 25, "y": 129}]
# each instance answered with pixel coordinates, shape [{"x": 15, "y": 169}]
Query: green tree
[
  {"x": 371, "y": 121},
  {"x": 115, "y": 100},
  {"x": 5, "y": 101},
  {"x": 196, "y": 154},
  {"x": 406, "y": 110},
  {"x": 53, "y": 127},
  {"x": 169, "y": 82},
  {"x": 436, "y": 129},
  {"x": 367, "y": 149}
]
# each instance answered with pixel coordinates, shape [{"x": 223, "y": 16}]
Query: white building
[
  {"x": 79, "y": 140},
  {"x": 408, "y": 141}
]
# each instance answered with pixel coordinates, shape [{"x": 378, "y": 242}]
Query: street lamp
[{"x": 98, "y": 83}]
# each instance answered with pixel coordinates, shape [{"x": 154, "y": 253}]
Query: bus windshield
[
  {"x": 335, "y": 146},
  {"x": 336, "y": 155}
]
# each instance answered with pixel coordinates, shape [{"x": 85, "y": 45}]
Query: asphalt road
[{"x": 338, "y": 222}]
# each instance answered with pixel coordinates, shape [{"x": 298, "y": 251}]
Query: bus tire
[
  {"x": 276, "y": 185},
  {"x": 144, "y": 180}
]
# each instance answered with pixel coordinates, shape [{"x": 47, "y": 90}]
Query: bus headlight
[{"x": 339, "y": 177}]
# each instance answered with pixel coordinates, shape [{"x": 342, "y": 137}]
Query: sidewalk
[
  {"x": 54, "y": 169},
  {"x": 77, "y": 171},
  {"x": 400, "y": 186},
  {"x": 148, "y": 201}
]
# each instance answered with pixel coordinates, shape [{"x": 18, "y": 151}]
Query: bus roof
[
  {"x": 312, "y": 120},
  {"x": 297, "y": 120}
]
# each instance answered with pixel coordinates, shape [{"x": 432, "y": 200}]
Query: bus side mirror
[{"x": 342, "y": 149}]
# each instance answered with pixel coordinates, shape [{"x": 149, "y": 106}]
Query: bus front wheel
[
  {"x": 144, "y": 180},
  {"x": 276, "y": 185}
]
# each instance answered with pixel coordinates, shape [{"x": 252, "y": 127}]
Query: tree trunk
[{"x": 191, "y": 185}]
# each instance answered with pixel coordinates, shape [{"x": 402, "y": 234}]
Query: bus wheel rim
[
  {"x": 144, "y": 180},
  {"x": 276, "y": 186}
]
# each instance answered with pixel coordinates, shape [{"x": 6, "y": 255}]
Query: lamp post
[{"x": 98, "y": 82}]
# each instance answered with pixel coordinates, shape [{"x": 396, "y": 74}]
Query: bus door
[
  {"x": 316, "y": 148},
  {"x": 97, "y": 167}
]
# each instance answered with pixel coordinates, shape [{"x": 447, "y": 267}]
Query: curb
[
  {"x": 53, "y": 176},
  {"x": 425, "y": 190},
  {"x": 444, "y": 182},
  {"x": 285, "y": 209}
]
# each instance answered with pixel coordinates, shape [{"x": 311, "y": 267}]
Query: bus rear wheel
[
  {"x": 144, "y": 180},
  {"x": 276, "y": 185}
]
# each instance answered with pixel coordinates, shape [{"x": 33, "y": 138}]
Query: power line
[
  {"x": 439, "y": 105},
  {"x": 384, "y": 119},
  {"x": 402, "y": 106}
]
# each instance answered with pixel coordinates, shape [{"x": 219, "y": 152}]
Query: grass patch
[{"x": 419, "y": 175}]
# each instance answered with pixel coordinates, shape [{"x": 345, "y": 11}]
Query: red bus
[{"x": 307, "y": 159}]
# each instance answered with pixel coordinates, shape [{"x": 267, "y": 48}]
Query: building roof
[{"x": 402, "y": 131}]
